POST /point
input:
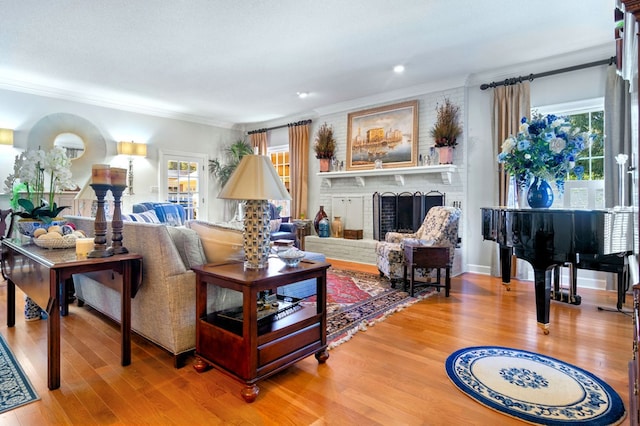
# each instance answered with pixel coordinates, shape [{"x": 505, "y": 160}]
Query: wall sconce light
[
  {"x": 256, "y": 181},
  {"x": 6, "y": 137},
  {"x": 132, "y": 149}
]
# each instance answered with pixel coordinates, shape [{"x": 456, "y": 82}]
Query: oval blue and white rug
[{"x": 533, "y": 387}]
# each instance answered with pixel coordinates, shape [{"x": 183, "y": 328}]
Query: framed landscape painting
[{"x": 384, "y": 137}]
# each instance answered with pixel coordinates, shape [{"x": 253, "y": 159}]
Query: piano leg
[
  {"x": 542, "y": 280},
  {"x": 505, "y": 263}
]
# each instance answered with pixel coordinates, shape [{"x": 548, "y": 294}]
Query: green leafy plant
[
  {"x": 223, "y": 169},
  {"x": 446, "y": 129},
  {"x": 325, "y": 144}
]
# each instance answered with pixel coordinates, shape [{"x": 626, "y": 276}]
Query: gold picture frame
[{"x": 388, "y": 134}]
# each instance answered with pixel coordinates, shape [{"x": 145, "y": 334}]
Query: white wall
[{"x": 21, "y": 111}]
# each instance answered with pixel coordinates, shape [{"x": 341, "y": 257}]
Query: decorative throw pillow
[
  {"x": 188, "y": 244},
  {"x": 275, "y": 224},
  {"x": 147, "y": 217},
  {"x": 219, "y": 244}
]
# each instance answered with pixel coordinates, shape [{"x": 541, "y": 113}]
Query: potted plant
[
  {"x": 34, "y": 171},
  {"x": 325, "y": 146},
  {"x": 446, "y": 130},
  {"x": 223, "y": 169}
]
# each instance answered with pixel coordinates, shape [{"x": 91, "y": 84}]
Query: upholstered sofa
[
  {"x": 281, "y": 228},
  {"x": 163, "y": 310},
  {"x": 169, "y": 213}
]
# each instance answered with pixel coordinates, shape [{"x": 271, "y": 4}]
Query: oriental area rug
[
  {"x": 15, "y": 388},
  {"x": 358, "y": 300},
  {"x": 534, "y": 388}
]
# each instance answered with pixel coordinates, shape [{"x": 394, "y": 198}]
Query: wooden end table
[
  {"x": 232, "y": 335},
  {"x": 431, "y": 257},
  {"x": 44, "y": 275},
  {"x": 303, "y": 228}
]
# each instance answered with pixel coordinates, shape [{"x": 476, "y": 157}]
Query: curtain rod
[
  {"x": 514, "y": 80},
  {"x": 299, "y": 123}
]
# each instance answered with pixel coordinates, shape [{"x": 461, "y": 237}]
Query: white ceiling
[{"x": 242, "y": 61}]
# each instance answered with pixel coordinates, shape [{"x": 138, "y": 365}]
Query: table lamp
[{"x": 256, "y": 181}]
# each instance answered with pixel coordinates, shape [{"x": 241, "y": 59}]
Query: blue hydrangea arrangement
[{"x": 546, "y": 147}]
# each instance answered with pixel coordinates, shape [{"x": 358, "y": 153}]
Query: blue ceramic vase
[{"x": 540, "y": 195}]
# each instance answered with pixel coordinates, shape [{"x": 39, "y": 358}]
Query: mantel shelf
[{"x": 445, "y": 171}]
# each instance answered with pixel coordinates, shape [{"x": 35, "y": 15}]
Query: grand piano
[{"x": 548, "y": 238}]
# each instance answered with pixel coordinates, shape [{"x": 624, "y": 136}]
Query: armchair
[
  {"x": 439, "y": 229},
  {"x": 281, "y": 230}
]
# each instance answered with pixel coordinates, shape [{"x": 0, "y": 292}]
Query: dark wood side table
[
  {"x": 432, "y": 257},
  {"x": 303, "y": 228},
  {"x": 44, "y": 274},
  {"x": 231, "y": 334}
]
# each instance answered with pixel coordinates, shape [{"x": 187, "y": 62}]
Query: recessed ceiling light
[
  {"x": 398, "y": 69},
  {"x": 302, "y": 95}
]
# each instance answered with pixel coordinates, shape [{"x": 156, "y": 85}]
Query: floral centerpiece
[
  {"x": 33, "y": 172},
  {"x": 545, "y": 147}
]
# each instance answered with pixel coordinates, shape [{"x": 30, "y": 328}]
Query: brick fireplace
[{"x": 402, "y": 212}]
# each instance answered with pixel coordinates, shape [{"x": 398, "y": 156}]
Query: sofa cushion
[
  {"x": 275, "y": 224},
  {"x": 220, "y": 244},
  {"x": 148, "y": 217},
  {"x": 189, "y": 245}
]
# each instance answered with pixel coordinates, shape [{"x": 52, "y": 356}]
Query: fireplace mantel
[{"x": 445, "y": 171}]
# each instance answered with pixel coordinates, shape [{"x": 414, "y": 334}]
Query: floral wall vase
[
  {"x": 540, "y": 195},
  {"x": 445, "y": 154}
]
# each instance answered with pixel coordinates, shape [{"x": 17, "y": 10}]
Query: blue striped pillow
[{"x": 147, "y": 217}]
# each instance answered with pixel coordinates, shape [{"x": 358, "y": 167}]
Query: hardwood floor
[{"x": 392, "y": 374}]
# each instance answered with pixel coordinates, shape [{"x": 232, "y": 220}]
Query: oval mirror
[{"x": 72, "y": 143}]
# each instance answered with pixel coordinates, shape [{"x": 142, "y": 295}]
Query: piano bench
[{"x": 429, "y": 257}]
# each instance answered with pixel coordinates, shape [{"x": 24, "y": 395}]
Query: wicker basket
[{"x": 58, "y": 243}]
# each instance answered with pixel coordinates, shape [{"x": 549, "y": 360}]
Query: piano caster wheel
[
  {"x": 507, "y": 286},
  {"x": 545, "y": 331}
]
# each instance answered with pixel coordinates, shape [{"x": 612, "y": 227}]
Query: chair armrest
[
  {"x": 287, "y": 227},
  {"x": 397, "y": 237}
]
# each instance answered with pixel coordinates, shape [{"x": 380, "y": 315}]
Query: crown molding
[
  {"x": 85, "y": 98},
  {"x": 407, "y": 92}
]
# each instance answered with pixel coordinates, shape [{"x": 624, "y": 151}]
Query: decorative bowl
[
  {"x": 58, "y": 243},
  {"x": 28, "y": 226},
  {"x": 291, "y": 257}
]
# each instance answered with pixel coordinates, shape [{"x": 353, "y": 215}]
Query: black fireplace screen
[{"x": 403, "y": 212}]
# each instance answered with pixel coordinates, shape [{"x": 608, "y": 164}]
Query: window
[
  {"x": 280, "y": 158},
  {"x": 584, "y": 189},
  {"x": 182, "y": 181},
  {"x": 588, "y": 116}
]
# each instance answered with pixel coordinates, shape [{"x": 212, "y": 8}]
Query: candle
[
  {"x": 101, "y": 174},
  {"x": 118, "y": 177},
  {"x": 84, "y": 246}
]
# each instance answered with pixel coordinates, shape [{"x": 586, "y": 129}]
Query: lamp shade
[
  {"x": 132, "y": 148},
  {"x": 255, "y": 178},
  {"x": 6, "y": 137}
]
